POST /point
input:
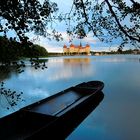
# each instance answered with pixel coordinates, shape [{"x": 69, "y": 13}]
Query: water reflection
[
  {"x": 118, "y": 115},
  {"x": 71, "y": 67},
  {"x": 81, "y": 114},
  {"x": 6, "y": 72},
  {"x": 118, "y": 58},
  {"x": 82, "y": 64},
  {"x": 76, "y": 61}
]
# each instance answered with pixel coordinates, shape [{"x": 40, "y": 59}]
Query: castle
[{"x": 72, "y": 49}]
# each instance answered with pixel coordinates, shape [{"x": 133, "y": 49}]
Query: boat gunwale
[{"x": 66, "y": 90}]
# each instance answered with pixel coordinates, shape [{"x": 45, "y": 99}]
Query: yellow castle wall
[{"x": 71, "y": 50}]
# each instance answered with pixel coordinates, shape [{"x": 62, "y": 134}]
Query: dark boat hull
[{"x": 55, "y": 116}]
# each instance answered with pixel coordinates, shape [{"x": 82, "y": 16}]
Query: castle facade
[{"x": 72, "y": 49}]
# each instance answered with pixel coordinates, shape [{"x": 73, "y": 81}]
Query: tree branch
[
  {"x": 134, "y": 2},
  {"x": 86, "y": 18},
  {"x": 119, "y": 24}
]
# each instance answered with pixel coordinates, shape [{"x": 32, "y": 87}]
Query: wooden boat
[{"x": 55, "y": 116}]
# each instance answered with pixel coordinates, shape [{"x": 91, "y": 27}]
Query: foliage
[
  {"x": 24, "y": 16},
  {"x": 37, "y": 51},
  {"x": 11, "y": 50},
  {"x": 10, "y": 53},
  {"x": 107, "y": 19},
  {"x": 12, "y": 97}
]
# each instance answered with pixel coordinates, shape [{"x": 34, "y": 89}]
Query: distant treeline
[
  {"x": 55, "y": 54},
  {"x": 11, "y": 50},
  {"x": 130, "y": 51}
]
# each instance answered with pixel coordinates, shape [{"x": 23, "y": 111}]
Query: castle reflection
[
  {"x": 71, "y": 68},
  {"x": 76, "y": 67},
  {"x": 76, "y": 60}
]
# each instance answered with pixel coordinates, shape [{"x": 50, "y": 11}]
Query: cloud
[
  {"x": 55, "y": 46},
  {"x": 90, "y": 39},
  {"x": 51, "y": 46}
]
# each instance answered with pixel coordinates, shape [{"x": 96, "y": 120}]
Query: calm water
[{"x": 116, "y": 118}]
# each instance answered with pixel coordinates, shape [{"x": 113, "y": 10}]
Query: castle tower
[
  {"x": 72, "y": 47},
  {"x": 87, "y": 49},
  {"x": 65, "y": 50}
]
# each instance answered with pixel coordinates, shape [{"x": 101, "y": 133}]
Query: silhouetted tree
[
  {"x": 11, "y": 50},
  {"x": 120, "y": 50},
  {"x": 24, "y": 16},
  {"x": 38, "y": 51},
  {"x": 107, "y": 19}
]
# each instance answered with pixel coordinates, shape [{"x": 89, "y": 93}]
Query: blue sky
[{"x": 54, "y": 46}]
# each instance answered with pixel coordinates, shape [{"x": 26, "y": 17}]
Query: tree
[
  {"x": 107, "y": 19},
  {"x": 10, "y": 50},
  {"x": 24, "y": 16},
  {"x": 35, "y": 51}
]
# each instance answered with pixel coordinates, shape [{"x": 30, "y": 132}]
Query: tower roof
[
  {"x": 72, "y": 45},
  {"x": 87, "y": 45},
  {"x": 64, "y": 46}
]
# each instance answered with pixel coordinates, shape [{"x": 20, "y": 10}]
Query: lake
[{"x": 118, "y": 115}]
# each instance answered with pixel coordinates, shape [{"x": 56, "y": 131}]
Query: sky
[{"x": 55, "y": 46}]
